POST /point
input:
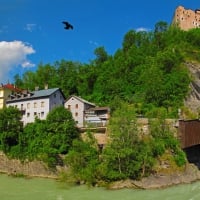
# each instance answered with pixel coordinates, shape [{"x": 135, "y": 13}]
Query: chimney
[{"x": 46, "y": 86}]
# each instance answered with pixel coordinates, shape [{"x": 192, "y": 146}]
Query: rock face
[
  {"x": 192, "y": 101},
  {"x": 15, "y": 167},
  {"x": 189, "y": 175}
]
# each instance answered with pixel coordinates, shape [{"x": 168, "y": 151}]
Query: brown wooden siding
[{"x": 189, "y": 132}]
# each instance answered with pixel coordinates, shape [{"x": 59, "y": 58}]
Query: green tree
[
  {"x": 163, "y": 140},
  {"x": 10, "y": 128},
  {"x": 67, "y": 72},
  {"x": 45, "y": 75},
  {"x": 127, "y": 155},
  {"x": 83, "y": 159},
  {"x": 61, "y": 129},
  {"x": 101, "y": 55},
  {"x": 47, "y": 139}
]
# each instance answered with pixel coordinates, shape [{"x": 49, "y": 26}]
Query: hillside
[{"x": 152, "y": 70}]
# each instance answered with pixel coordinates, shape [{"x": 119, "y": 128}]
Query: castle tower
[{"x": 186, "y": 18}]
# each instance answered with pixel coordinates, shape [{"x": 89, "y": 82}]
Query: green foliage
[
  {"x": 127, "y": 155},
  {"x": 61, "y": 129},
  {"x": 180, "y": 158},
  {"x": 163, "y": 140},
  {"x": 44, "y": 139},
  {"x": 83, "y": 159},
  {"x": 10, "y": 128}
]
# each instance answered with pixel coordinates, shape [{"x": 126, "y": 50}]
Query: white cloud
[
  {"x": 30, "y": 27},
  {"x": 13, "y": 54},
  {"x": 140, "y": 29},
  {"x": 93, "y": 43}
]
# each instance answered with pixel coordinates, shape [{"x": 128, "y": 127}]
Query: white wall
[
  {"x": 77, "y": 109},
  {"x": 38, "y": 107},
  {"x": 33, "y": 108}
]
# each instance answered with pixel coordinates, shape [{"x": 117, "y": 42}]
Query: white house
[
  {"x": 78, "y": 106},
  {"x": 37, "y": 103},
  {"x": 86, "y": 113}
]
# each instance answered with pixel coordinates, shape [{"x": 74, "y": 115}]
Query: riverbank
[{"x": 155, "y": 181}]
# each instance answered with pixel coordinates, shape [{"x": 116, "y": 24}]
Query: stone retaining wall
[{"x": 34, "y": 168}]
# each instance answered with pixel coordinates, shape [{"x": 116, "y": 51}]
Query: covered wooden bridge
[{"x": 189, "y": 133}]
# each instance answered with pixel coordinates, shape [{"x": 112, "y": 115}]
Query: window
[
  {"x": 42, "y": 104},
  {"x": 42, "y": 114},
  {"x": 54, "y": 95},
  {"x": 69, "y": 107},
  {"x": 28, "y": 114},
  {"x": 28, "y": 105},
  {"x": 35, "y": 113},
  {"x": 76, "y": 106},
  {"x": 76, "y": 114},
  {"x": 22, "y": 106},
  {"x": 35, "y": 105}
]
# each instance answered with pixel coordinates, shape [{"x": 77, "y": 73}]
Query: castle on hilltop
[{"x": 186, "y": 18}]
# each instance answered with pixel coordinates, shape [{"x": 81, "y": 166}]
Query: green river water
[{"x": 47, "y": 189}]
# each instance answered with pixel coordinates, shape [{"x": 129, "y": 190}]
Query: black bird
[{"x": 67, "y": 25}]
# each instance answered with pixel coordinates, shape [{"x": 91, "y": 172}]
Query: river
[{"x": 47, "y": 189}]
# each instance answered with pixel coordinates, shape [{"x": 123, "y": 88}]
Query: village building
[
  {"x": 36, "y": 104},
  {"x": 86, "y": 113},
  {"x": 97, "y": 116},
  {"x": 5, "y": 91}
]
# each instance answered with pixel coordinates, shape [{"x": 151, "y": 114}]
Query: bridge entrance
[
  {"x": 189, "y": 135},
  {"x": 193, "y": 155}
]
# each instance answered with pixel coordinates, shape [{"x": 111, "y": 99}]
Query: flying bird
[{"x": 67, "y": 25}]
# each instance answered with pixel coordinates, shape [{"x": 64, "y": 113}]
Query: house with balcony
[
  {"x": 5, "y": 91},
  {"x": 87, "y": 114},
  {"x": 36, "y": 104},
  {"x": 97, "y": 116},
  {"x": 77, "y": 106}
]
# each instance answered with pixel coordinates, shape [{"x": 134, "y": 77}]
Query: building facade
[
  {"x": 77, "y": 106},
  {"x": 186, "y": 18},
  {"x": 97, "y": 116},
  {"x": 36, "y": 104},
  {"x": 87, "y": 114},
  {"x": 5, "y": 91}
]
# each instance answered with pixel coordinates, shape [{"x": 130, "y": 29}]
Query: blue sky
[{"x": 31, "y": 31}]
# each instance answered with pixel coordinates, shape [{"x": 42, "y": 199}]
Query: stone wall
[
  {"x": 33, "y": 169},
  {"x": 186, "y": 18}
]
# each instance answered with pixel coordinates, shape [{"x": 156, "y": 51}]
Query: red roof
[{"x": 11, "y": 87}]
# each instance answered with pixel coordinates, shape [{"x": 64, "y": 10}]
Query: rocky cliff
[{"x": 192, "y": 101}]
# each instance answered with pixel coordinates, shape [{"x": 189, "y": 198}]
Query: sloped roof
[
  {"x": 11, "y": 87},
  {"x": 43, "y": 93},
  {"x": 37, "y": 94},
  {"x": 80, "y": 99}
]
